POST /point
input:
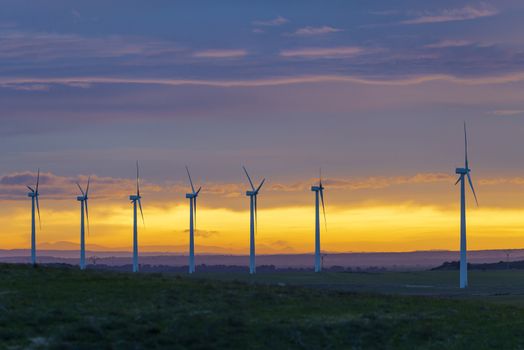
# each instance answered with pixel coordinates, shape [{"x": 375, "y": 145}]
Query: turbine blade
[
  {"x": 88, "y": 182},
  {"x": 37, "y": 180},
  {"x": 323, "y": 206},
  {"x": 31, "y": 189},
  {"x": 458, "y": 180},
  {"x": 137, "y": 179},
  {"x": 87, "y": 216},
  {"x": 141, "y": 212},
  {"x": 465, "y": 147},
  {"x": 320, "y": 177},
  {"x": 80, "y": 188},
  {"x": 198, "y": 191},
  {"x": 190, "y": 180},
  {"x": 472, "y": 189},
  {"x": 249, "y": 178},
  {"x": 38, "y": 210},
  {"x": 260, "y": 186}
]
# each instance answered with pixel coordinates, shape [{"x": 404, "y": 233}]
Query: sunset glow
[{"x": 374, "y": 96}]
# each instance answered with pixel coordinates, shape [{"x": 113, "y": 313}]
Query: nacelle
[{"x": 462, "y": 171}]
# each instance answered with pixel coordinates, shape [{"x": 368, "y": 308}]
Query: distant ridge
[{"x": 417, "y": 260}]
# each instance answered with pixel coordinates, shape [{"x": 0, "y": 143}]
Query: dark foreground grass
[{"x": 51, "y": 308}]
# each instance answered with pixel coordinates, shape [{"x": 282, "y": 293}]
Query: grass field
[
  {"x": 500, "y": 286},
  {"x": 61, "y": 308}
]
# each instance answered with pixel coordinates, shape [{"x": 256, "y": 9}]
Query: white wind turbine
[
  {"x": 319, "y": 192},
  {"x": 192, "y": 221},
  {"x": 253, "y": 220},
  {"x": 135, "y": 198},
  {"x": 83, "y": 209},
  {"x": 34, "y": 203},
  {"x": 463, "y": 173}
]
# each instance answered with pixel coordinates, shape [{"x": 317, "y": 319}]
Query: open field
[
  {"x": 52, "y": 308},
  {"x": 504, "y": 286}
]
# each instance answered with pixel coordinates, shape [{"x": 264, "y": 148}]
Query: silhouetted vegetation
[{"x": 501, "y": 265}]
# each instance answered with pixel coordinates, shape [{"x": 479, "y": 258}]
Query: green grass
[
  {"x": 52, "y": 308},
  {"x": 501, "y": 286}
]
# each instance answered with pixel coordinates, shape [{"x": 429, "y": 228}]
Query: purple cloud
[
  {"x": 278, "y": 21},
  {"x": 224, "y": 53},
  {"x": 41, "y": 46},
  {"x": 457, "y": 14},
  {"x": 312, "y": 31},
  {"x": 323, "y": 52},
  {"x": 449, "y": 43},
  {"x": 508, "y": 112}
]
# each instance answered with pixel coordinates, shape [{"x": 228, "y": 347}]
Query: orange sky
[{"x": 364, "y": 214}]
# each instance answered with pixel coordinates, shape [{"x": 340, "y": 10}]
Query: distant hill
[
  {"x": 501, "y": 265},
  {"x": 399, "y": 261}
]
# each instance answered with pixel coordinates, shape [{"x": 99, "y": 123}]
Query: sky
[{"x": 374, "y": 93}]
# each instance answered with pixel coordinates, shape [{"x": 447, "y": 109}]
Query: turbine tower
[
  {"x": 192, "y": 221},
  {"x": 83, "y": 209},
  {"x": 34, "y": 203},
  {"x": 135, "y": 199},
  {"x": 319, "y": 197},
  {"x": 463, "y": 173},
  {"x": 253, "y": 220}
]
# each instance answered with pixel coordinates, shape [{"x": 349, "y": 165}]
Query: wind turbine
[
  {"x": 253, "y": 220},
  {"x": 34, "y": 202},
  {"x": 463, "y": 173},
  {"x": 192, "y": 221},
  {"x": 135, "y": 198},
  {"x": 83, "y": 209},
  {"x": 319, "y": 194}
]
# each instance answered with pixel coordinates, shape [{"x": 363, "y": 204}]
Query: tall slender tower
[
  {"x": 463, "y": 174},
  {"x": 319, "y": 197},
  {"x": 252, "y": 194}
]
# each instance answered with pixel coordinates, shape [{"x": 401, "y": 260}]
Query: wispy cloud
[
  {"x": 363, "y": 183},
  {"x": 26, "y": 87},
  {"x": 13, "y": 186},
  {"x": 272, "y": 81},
  {"x": 160, "y": 194},
  {"x": 385, "y": 12},
  {"x": 457, "y": 14},
  {"x": 278, "y": 21},
  {"x": 41, "y": 46},
  {"x": 322, "y": 52},
  {"x": 383, "y": 182},
  {"x": 225, "y": 53},
  {"x": 204, "y": 233},
  {"x": 519, "y": 181},
  {"x": 508, "y": 112},
  {"x": 312, "y": 31},
  {"x": 449, "y": 43}
]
